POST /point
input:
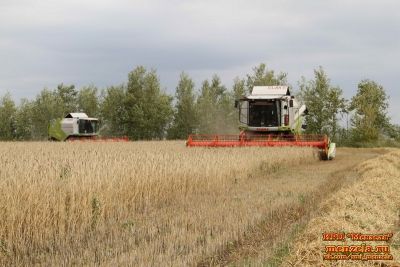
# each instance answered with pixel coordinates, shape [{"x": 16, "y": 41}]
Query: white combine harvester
[
  {"x": 78, "y": 126},
  {"x": 269, "y": 116},
  {"x": 270, "y": 109}
]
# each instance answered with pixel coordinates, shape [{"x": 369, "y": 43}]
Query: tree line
[{"x": 142, "y": 110}]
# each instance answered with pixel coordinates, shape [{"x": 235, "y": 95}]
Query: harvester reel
[{"x": 326, "y": 149}]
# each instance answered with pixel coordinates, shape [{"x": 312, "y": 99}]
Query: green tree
[
  {"x": 324, "y": 102},
  {"x": 45, "y": 109},
  {"x": 393, "y": 131},
  {"x": 50, "y": 105},
  {"x": 336, "y": 105},
  {"x": 370, "y": 106},
  {"x": 67, "y": 99},
  {"x": 88, "y": 101},
  {"x": 206, "y": 107},
  {"x": 148, "y": 109},
  {"x": 23, "y": 120},
  {"x": 239, "y": 88},
  {"x": 227, "y": 118},
  {"x": 113, "y": 112},
  {"x": 185, "y": 117},
  {"x": 215, "y": 108},
  {"x": 262, "y": 77},
  {"x": 7, "y": 117}
]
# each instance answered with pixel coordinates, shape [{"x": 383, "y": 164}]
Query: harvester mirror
[
  {"x": 236, "y": 103},
  {"x": 285, "y": 107},
  {"x": 291, "y": 103}
]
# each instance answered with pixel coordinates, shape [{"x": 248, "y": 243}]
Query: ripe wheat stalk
[{"x": 150, "y": 203}]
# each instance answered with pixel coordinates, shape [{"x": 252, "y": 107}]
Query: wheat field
[
  {"x": 370, "y": 205},
  {"x": 137, "y": 203}
]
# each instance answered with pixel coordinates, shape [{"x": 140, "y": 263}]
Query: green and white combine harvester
[
  {"x": 269, "y": 116},
  {"x": 78, "y": 127}
]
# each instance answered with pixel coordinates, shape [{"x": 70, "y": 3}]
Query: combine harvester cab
[
  {"x": 269, "y": 116},
  {"x": 78, "y": 127}
]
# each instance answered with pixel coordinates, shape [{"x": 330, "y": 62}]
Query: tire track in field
[{"x": 278, "y": 225}]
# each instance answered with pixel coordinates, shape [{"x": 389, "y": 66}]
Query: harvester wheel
[
  {"x": 328, "y": 154},
  {"x": 322, "y": 155}
]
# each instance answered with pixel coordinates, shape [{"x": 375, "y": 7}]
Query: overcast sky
[{"x": 43, "y": 43}]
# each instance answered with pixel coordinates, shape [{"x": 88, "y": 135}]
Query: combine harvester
[
  {"x": 269, "y": 117},
  {"x": 78, "y": 127}
]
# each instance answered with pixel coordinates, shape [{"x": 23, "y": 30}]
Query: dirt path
[{"x": 298, "y": 191}]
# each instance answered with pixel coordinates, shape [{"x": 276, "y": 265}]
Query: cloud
[{"x": 47, "y": 42}]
